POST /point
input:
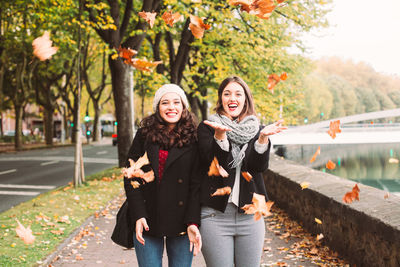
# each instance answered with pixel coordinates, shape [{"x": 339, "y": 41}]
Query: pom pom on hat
[{"x": 169, "y": 88}]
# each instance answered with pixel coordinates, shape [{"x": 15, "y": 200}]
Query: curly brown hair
[{"x": 157, "y": 130}]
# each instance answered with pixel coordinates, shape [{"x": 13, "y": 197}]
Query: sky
[{"x": 361, "y": 30}]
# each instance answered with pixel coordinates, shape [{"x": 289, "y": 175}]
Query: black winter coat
[
  {"x": 254, "y": 163},
  {"x": 163, "y": 203}
]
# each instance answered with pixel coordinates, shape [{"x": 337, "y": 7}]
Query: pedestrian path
[{"x": 91, "y": 245}]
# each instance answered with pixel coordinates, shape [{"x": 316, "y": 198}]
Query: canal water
[{"x": 375, "y": 165}]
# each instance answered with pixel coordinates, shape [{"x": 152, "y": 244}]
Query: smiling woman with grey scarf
[{"x": 234, "y": 136}]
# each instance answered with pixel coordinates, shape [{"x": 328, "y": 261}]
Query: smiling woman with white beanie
[{"x": 160, "y": 208}]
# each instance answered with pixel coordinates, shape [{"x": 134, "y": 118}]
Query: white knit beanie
[{"x": 169, "y": 88}]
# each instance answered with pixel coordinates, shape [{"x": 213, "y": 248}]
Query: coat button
[
  {"x": 180, "y": 181},
  {"x": 180, "y": 203}
]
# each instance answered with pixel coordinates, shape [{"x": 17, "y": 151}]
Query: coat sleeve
[
  {"x": 134, "y": 196},
  {"x": 208, "y": 147},
  {"x": 257, "y": 162}
]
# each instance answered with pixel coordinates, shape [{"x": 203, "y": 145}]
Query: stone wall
[{"x": 366, "y": 232}]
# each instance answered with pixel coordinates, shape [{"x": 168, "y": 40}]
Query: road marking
[
  {"x": 102, "y": 152},
  {"x": 48, "y": 163},
  {"x": 8, "y": 171},
  {"x": 25, "y": 186},
  {"x": 70, "y": 159},
  {"x": 19, "y": 193}
]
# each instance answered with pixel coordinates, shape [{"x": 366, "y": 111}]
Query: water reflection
[{"x": 376, "y": 165}]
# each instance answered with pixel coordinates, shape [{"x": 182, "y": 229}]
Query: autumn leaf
[
  {"x": 320, "y": 236},
  {"x": 126, "y": 54},
  {"x": 330, "y": 165},
  {"x": 273, "y": 79},
  {"x": 334, "y": 128},
  {"x": 42, "y": 48},
  {"x": 315, "y": 154},
  {"x": 144, "y": 65},
  {"x": 150, "y": 17},
  {"x": 171, "y": 18},
  {"x": 222, "y": 191},
  {"x": 386, "y": 196},
  {"x": 197, "y": 26},
  {"x": 24, "y": 233},
  {"x": 133, "y": 170},
  {"x": 349, "y": 197},
  {"x": 245, "y": 5},
  {"x": 262, "y": 8},
  {"x": 247, "y": 176},
  {"x": 216, "y": 169},
  {"x": 318, "y": 221},
  {"x": 135, "y": 184},
  {"x": 259, "y": 207},
  {"x": 283, "y": 76},
  {"x": 304, "y": 185},
  {"x": 393, "y": 160}
]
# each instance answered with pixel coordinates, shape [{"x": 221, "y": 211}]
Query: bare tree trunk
[
  {"x": 18, "y": 127},
  {"x": 75, "y": 121},
  {"x": 96, "y": 123},
  {"x": 48, "y": 126},
  {"x": 121, "y": 83}
]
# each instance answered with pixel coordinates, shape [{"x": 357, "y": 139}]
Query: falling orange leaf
[
  {"x": 42, "y": 48},
  {"x": 315, "y": 154},
  {"x": 386, "y": 196},
  {"x": 247, "y": 176},
  {"x": 262, "y": 8},
  {"x": 283, "y": 76},
  {"x": 318, "y": 221},
  {"x": 320, "y": 236},
  {"x": 197, "y": 26},
  {"x": 126, "y": 54},
  {"x": 349, "y": 197},
  {"x": 244, "y": 4},
  {"x": 135, "y": 184},
  {"x": 273, "y": 80},
  {"x": 216, "y": 169},
  {"x": 334, "y": 128},
  {"x": 150, "y": 17},
  {"x": 143, "y": 64},
  {"x": 24, "y": 233},
  {"x": 330, "y": 165},
  {"x": 171, "y": 18},
  {"x": 222, "y": 191},
  {"x": 259, "y": 207},
  {"x": 304, "y": 185}
]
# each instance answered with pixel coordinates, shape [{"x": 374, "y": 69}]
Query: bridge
[{"x": 315, "y": 133}]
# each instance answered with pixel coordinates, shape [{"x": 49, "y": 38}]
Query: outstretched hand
[
  {"x": 140, "y": 225},
  {"x": 271, "y": 129},
  {"x": 220, "y": 130},
  {"x": 194, "y": 238}
]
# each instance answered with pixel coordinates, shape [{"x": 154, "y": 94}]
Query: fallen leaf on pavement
[{"x": 24, "y": 233}]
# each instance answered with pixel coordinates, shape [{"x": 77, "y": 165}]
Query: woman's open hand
[
  {"x": 140, "y": 224},
  {"x": 194, "y": 238},
  {"x": 220, "y": 130},
  {"x": 271, "y": 129}
]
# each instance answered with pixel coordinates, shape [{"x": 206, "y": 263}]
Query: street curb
[
  {"x": 36, "y": 148},
  {"x": 50, "y": 258}
]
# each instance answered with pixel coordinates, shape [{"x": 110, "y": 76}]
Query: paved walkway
[{"x": 92, "y": 246}]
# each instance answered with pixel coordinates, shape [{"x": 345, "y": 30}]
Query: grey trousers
[{"x": 231, "y": 238}]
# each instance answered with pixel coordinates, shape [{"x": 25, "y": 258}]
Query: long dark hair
[
  {"x": 157, "y": 130},
  {"x": 248, "y": 108}
]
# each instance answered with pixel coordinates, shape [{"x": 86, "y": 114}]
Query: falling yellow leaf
[
  {"x": 42, "y": 48},
  {"x": 393, "y": 160},
  {"x": 259, "y": 207},
  {"x": 304, "y": 185},
  {"x": 318, "y": 221}
]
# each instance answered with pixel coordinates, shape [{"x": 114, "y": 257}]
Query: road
[{"x": 26, "y": 174}]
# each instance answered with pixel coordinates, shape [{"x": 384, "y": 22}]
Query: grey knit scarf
[{"x": 242, "y": 132}]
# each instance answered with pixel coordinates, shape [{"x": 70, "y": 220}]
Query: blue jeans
[{"x": 150, "y": 255}]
